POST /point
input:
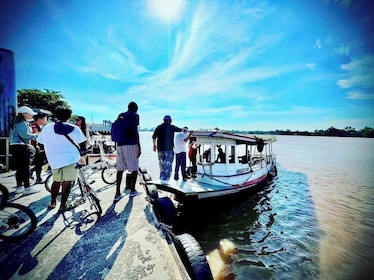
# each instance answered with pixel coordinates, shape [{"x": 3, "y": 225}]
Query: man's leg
[
  {"x": 177, "y": 165},
  {"x": 55, "y": 188},
  {"x": 134, "y": 177},
  {"x": 119, "y": 181},
  {"x": 182, "y": 161},
  {"x": 66, "y": 186}
]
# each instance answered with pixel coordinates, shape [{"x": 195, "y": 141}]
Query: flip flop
[{"x": 52, "y": 206}]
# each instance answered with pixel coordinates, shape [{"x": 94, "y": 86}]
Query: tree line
[{"x": 367, "y": 132}]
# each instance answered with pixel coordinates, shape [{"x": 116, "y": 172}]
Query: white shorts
[{"x": 127, "y": 158}]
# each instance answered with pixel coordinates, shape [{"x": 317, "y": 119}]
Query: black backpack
[{"x": 119, "y": 129}]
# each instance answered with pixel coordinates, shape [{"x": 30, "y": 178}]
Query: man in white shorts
[
  {"x": 128, "y": 150},
  {"x": 62, "y": 154}
]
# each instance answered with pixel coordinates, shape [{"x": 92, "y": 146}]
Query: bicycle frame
[{"x": 86, "y": 193}]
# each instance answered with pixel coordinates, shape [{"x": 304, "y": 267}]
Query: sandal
[{"x": 51, "y": 206}]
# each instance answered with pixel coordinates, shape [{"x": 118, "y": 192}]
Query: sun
[{"x": 166, "y": 10}]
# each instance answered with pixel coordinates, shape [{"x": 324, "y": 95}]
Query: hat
[
  {"x": 39, "y": 115},
  {"x": 167, "y": 118},
  {"x": 26, "y": 110}
]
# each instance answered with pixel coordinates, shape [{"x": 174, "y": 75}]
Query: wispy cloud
[
  {"x": 360, "y": 71},
  {"x": 359, "y": 95}
]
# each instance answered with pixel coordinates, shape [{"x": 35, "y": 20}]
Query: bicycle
[
  {"x": 108, "y": 170},
  {"x": 86, "y": 193},
  {"x": 16, "y": 221}
]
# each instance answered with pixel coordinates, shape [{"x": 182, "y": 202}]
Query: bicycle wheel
[
  {"x": 48, "y": 182},
  {"x": 4, "y": 195},
  {"x": 16, "y": 222},
  {"x": 95, "y": 203},
  {"x": 109, "y": 174}
]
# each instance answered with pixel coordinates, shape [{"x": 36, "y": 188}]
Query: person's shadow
[{"x": 97, "y": 249}]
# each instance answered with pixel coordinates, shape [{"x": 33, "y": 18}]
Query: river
[{"x": 314, "y": 221}]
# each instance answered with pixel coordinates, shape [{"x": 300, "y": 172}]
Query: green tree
[{"x": 36, "y": 98}]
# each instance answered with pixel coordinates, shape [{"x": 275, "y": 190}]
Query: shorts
[
  {"x": 127, "y": 158},
  {"x": 66, "y": 173}
]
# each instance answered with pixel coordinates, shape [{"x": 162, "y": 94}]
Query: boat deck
[{"x": 194, "y": 189}]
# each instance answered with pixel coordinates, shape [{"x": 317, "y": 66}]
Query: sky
[{"x": 242, "y": 65}]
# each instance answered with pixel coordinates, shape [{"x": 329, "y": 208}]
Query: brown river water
[{"x": 314, "y": 221}]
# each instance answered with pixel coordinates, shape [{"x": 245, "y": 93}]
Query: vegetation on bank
[
  {"x": 367, "y": 132},
  {"x": 50, "y": 99}
]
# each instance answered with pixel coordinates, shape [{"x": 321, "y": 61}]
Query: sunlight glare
[{"x": 166, "y": 10}]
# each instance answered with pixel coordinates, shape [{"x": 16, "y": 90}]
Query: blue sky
[{"x": 248, "y": 65}]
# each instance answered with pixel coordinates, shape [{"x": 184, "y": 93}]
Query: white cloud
[
  {"x": 311, "y": 66},
  {"x": 318, "y": 43},
  {"x": 359, "y": 95},
  {"x": 360, "y": 72}
]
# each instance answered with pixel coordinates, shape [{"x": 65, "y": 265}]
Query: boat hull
[{"x": 201, "y": 190}]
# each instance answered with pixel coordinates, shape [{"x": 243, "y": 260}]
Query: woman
[
  {"x": 40, "y": 120},
  {"x": 20, "y": 136},
  {"x": 80, "y": 121}
]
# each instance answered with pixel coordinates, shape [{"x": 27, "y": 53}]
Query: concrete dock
[{"x": 123, "y": 244}]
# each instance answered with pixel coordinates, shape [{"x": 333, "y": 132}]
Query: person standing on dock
[
  {"x": 62, "y": 154},
  {"x": 128, "y": 148},
  {"x": 180, "y": 150},
  {"x": 163, "y": 142}
]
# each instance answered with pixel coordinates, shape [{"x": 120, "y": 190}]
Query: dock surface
[{"x": 123, "y": 244}]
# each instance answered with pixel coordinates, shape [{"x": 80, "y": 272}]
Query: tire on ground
[
  {"x": 192, "y": 257},
  {"x": 165, "y": 210},
  {"x": 151, "y": 191},
  {"x": 147, "y": 177},
  {"x": 143, "y": 170}
]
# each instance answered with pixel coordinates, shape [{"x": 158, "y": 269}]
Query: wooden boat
[{"x": 227, "y": 164}]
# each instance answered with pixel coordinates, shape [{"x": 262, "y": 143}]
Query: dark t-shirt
[
  {"x": 165, "y": 136},
  {"x": 131, "y": 133}
]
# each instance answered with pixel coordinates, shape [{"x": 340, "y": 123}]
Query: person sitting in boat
[
  {"x": 221, "y": 157},
  {"x": 206, "y": 155}
]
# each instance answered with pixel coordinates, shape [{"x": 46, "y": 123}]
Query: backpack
[{"x": 119, "y": 128}]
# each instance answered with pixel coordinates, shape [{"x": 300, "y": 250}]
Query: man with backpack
[{"x": 125, "y": 133}]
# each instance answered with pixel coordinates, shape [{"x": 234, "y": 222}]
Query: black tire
[
  {"x": 48, "y": 182},
  {"x": 147, "y": 177},
  {"x": 151, "y": 191},
  {"x": 143, "y": 170},
  {"x": 96, "y": 203},
  {"x": 165, "y": 210},
  {"x": 17, "y": 221},
  {"x": 192, "y": 257},
  {"x": 109, "y": 174},
  {"x": 4, "y": 193}
]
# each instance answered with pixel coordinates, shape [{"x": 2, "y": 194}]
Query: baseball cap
[
  {"x": 39, "y": 115},
  {"x": 167, "y": 118},
  {"x": 26, "y": 110}
]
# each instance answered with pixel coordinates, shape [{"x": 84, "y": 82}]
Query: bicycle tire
[
  {"x": 4, "y": 195},
  {"x": 48, "y": 182},
  {"x": 96, "y": 203},
  {"x": 109, "y": 174},
  {"x": 16, "y": 222}
]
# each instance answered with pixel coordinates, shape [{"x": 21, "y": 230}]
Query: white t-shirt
[
  {"x": 59, "y": 150},
  {"x": 179, "y": 144}
]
